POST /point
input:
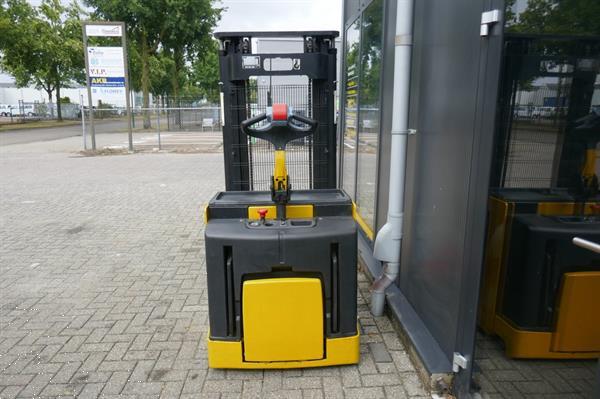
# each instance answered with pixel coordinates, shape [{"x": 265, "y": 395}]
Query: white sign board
[
  {"x": 104, "y": 30},
  {"x": 106, "y": 61},
  {"x": 109, "y": 95},
  {"x": 107, "y": 74}
]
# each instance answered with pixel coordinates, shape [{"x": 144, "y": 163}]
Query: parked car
[
  {"x": 543, "y": 112},
  {"x": 523, "y": 111}
]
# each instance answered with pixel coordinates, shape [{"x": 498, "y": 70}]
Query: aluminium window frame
[{"x": 342, "y": 117}]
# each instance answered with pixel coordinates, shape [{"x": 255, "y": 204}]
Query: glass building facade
[
  {"x": 362, "y": 109},
  {"x": 517, "y": 110}
]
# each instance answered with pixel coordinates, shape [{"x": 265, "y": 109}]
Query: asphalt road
[{"x": 23, "y": 136}]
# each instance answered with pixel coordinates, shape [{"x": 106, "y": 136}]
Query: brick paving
[
  {"x": 103, "y": 290},
  {"x": 103, "y": 293},
  {"x": 504, "y": 378}
]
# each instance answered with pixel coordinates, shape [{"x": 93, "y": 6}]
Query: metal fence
[
  {"x": 34, "y": 111},
  {"x": 534, "y": 130},
  {"x": 541, "y": 105},
  {"x": 299, "y": 152},
  {"x": 187, "y": 125},
  {"x": 155, "y": 128}
]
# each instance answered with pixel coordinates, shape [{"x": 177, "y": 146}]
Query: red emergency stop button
[
  {"x": 262, "y": 213},
  {"x": 280, "y": 112}
]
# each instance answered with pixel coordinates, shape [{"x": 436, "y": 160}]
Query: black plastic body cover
[
  {"x": 324, "y": 247},
  {"x": 540, "y": 253}
]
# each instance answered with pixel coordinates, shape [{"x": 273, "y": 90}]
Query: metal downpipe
[
  {"x": 389, "y": 237},
  {"x": 389, "y": 275}
]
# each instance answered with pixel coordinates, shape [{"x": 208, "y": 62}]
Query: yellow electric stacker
[
  {"x": 281, "y": 266},
  {"x": 541, "y": 292}
]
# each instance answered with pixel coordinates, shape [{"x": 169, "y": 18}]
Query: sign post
[
  {"x": 106, "y": 70},
  {"x": 82, "y": 108},
  {"x": 127, "y": 96}
]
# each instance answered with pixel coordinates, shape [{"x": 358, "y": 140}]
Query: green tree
[
  {"x": 372, "y": 27},
  {"x": 510, "y": 16},
  {"x": 205, "y": 72},
  {"x": 160, "y": 66},
  {"x": 553, "y": 17},
  {"x": 159, "y": 28},
  {"x": 42, "y": 45},
  {"x": 570, "y": 17},
  {"x": 187, "y": 36}
]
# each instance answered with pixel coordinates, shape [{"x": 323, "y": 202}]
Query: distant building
[{"x": 10, "y": 94}]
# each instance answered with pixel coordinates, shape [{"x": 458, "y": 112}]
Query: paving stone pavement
[
  {"x": 103, "y": 289},
  {"x": 502, "y": 378}
]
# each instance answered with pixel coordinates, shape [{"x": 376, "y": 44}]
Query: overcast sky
[{"x": 273, "y": 15}]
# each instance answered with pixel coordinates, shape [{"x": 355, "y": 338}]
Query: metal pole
[
  {"x": 168, "y": 108},
  {"x": 596, "y": 393},
  {"x": 589, "y": 245},
  {"x": 158, "y": 124},
  {"x": 594, "y": 247},
  {"x": 127, "y": 99},
  {"x": 132, "y": 113},
  {"x": 89, "y": 89},
  {"x": 21, "y": 109},
  {"x": 82, "y": 121}
]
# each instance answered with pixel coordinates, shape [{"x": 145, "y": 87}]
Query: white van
[
  {"x": 23, "y": 110},
  {"x": 4, "y": 110}
]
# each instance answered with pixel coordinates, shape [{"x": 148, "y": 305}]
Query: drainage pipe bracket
[{"x": 408, "y": 132}]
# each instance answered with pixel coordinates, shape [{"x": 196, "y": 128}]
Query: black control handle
[
  {"x": 312, "y": 124},
  {"x": 279, "y": 132},
  {"x": 252, "y": 121}
]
